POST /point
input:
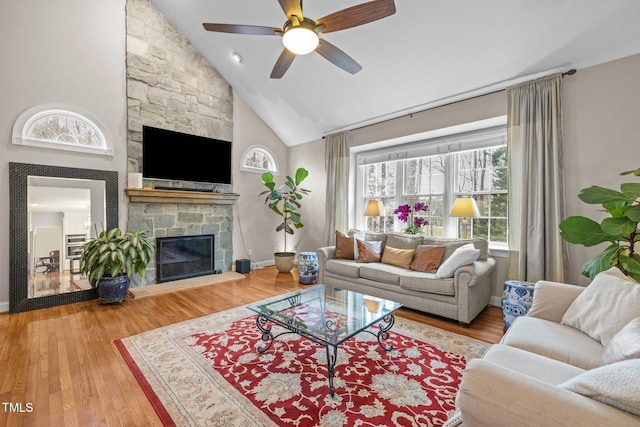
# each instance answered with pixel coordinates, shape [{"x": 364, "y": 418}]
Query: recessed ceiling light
[{"x": 236, "y": 57}]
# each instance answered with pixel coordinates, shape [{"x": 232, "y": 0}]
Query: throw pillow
[
  {"x": 616, "y": 385},
  {"x": 398, "y": 257},
  {"x": 427, "y": 258},
  {"x": 624, "y": 345},
  {"x": 605, "y": 306},
  {"x": 464, "y": 255},
  {"x": 368, "y": 251},
  {"x": 344, "y": 246}
]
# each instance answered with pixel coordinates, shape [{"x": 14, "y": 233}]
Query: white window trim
[
  {"x": 268, "y": 152},
  {"x": 28, "y": 117},
  {"x": 449, "y": 144}
]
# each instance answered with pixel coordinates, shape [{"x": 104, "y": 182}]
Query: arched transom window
[
  {"x": 60, "y": 128},
  {"x": 258, "y": 159}
]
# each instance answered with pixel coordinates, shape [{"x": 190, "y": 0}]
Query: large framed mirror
[{"x": 54, "y": 210}]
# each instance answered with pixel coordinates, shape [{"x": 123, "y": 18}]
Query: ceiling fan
[{"x": 300, "y": 35}]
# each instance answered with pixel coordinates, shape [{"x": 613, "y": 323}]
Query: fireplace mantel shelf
[{"x": 148, "y": 195}]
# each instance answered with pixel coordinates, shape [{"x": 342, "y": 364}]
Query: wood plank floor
[{"x": 59, "y": 366}]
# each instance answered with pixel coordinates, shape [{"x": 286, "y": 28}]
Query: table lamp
[
  {"x": 374, "y": 208},
  {"x": 464, "y": 207}
]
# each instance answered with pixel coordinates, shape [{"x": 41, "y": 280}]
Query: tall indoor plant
[
  {"x": 110, "y": 260},
  {"x": 284, "y": 200},
  {"x": 620, "y": 229}
]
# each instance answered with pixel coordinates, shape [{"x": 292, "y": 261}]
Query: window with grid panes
[{"x": 437, "y": 180}]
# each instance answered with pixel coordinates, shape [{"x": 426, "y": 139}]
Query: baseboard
[
  {"x": 497, "y": 301},
  {"x": 261, "y": 264},
  {"x": 4, "y": 306}
]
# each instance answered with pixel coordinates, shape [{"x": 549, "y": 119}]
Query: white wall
[
  {"x": 61, "y": 51},
  {"x": 254, "y": 235},
  {"x": 602, "y": 138}
]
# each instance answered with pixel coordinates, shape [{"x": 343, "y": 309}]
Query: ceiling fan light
[{"x": 300, "y": 40}]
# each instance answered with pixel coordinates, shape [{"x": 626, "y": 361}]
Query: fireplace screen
[{"x": 184, "y": 256}]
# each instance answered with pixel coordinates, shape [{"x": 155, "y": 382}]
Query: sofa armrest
[
  {"x": 552, "y": 299},
  {"x": 491, "y": 395},
  {"x": 324, "y": 254},
  {"x": 472, "y": 274}
]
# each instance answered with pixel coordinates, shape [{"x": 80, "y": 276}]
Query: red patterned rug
[{"x": 207, "y": 371}]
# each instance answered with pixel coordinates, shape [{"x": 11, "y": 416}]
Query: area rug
[{"x": 207, "y": 372}]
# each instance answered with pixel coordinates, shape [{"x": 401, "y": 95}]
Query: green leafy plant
[
  {"x": 620, "y": 229},
  {"x": 114, "y": 254},
  {"x": 284, "y": 200}
]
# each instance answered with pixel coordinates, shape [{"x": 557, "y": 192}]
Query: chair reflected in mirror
[{"x": 50, "y": 263}]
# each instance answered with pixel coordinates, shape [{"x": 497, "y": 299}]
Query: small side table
[{"x": 517, "y": 298}]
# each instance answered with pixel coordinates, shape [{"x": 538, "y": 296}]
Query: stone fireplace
[
  {"x": 175, "y": 213},
  {"x": 182, "y": 257}
]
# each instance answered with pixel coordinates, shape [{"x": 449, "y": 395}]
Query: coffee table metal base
[{"x": 385, "y": 324}]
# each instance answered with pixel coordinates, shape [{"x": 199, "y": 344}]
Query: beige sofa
[
  {"x": 549, "y": 370},
  {"x": 461, "y": 297}
]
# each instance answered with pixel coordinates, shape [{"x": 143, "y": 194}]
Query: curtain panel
[
  {"x": 536, "y": 187},
  {"x": 337, "y": 194}
]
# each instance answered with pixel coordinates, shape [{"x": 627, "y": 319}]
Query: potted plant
[
  {"x": 620, "y": 229},
  {"x": 110, "y": 260},
  {"x": 284, "y": 200}
]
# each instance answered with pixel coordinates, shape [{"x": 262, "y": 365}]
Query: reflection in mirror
[
  {"x": 62, "y": 214},
  {"x": 53, "y": 211}
]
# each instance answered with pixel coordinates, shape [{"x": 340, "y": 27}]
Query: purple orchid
[{"x": 406, "y": 213}]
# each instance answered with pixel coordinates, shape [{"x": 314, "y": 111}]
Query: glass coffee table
[{"x": 327, "y": 316}]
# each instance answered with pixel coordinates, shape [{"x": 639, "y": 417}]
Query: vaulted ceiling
[{"x": 426, "y": 54}]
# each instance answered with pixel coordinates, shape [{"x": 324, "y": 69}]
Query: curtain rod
[{"x": 424, "y": 107}]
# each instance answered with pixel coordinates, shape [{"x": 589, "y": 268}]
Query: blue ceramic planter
[
  {"x": 113, "y": 289},
  {"x": 307, "y": 268}
]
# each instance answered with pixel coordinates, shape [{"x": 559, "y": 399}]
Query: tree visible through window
[
  {"x": 62, "y": 129},
  {"x": 258, "y": 159}
]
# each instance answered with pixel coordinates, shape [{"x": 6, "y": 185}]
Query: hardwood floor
[{"x": 61, "y": 368}]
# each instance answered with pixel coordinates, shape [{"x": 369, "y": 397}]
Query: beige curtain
[
  {"x": 536, "y": 200},
  {"x": 337, "y": 167}
]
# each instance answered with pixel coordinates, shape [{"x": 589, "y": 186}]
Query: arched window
[
  {"x": 60, "y": 128},
  {"x": 258, "y": 159}
]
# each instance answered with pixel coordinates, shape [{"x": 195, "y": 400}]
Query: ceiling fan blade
[
  {"x": 357, "y": 15},
  {"x": 291, "y": 7},
  {"x": 282, "y": 64},
  {"x": 241, "y": 29},
  {"x": 338, "y": 57}
]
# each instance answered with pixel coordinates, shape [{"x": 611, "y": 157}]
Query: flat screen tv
[{"x": 179, "y": 156}]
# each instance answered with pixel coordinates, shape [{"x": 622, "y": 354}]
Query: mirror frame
[{"x": 18, "y": 231}]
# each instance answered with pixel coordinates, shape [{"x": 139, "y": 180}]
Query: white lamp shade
[
  {"x": 465, "y": 207},
  {"x": 374, "y": 208},
  {"x": 300, "y": 40}
]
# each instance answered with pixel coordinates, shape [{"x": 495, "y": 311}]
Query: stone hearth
[{"x": 168, "y": 213}]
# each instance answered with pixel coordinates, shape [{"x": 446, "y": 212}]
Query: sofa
[
  {"x": 573, "y": 360},
  {"x": 407, "y": 269}
]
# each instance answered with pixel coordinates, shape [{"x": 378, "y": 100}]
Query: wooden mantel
[{"x": 148, "y": 195}]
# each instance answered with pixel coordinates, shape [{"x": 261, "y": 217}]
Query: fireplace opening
[{"x": 181, "y": 257}]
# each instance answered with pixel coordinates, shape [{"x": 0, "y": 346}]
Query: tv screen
[{"x": 179, "y": 156}]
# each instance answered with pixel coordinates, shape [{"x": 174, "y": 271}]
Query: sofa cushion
[
  {"x": 368, "y": 251},
  {"x": 427, "y": 258},
  {"x": 403, "y": 241},
  {"x": 344, "y": 246},
  {"x": 610, "y": 302},
  {"x": 464, "y": 255},
  {"x": 388, "y": 274},
  {"x": 534, "y": 365},
  {"x": 452, "y": 244},
  {"x": 624, "y": 345},
  {"x": 426, "y": 282},
  {"x": 615, "y": 384},
  {"x": 343, "y": 267},
  {"x": 554, "y": 340},
  {"x": 396, "y": 256}
]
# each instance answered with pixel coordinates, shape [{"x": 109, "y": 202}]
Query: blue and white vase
[
  {"x": 307, "y": 268},
  {"x": 517, "y": 298}
]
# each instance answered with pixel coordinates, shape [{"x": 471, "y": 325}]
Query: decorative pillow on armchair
[{"x": 605, "y": 306}]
